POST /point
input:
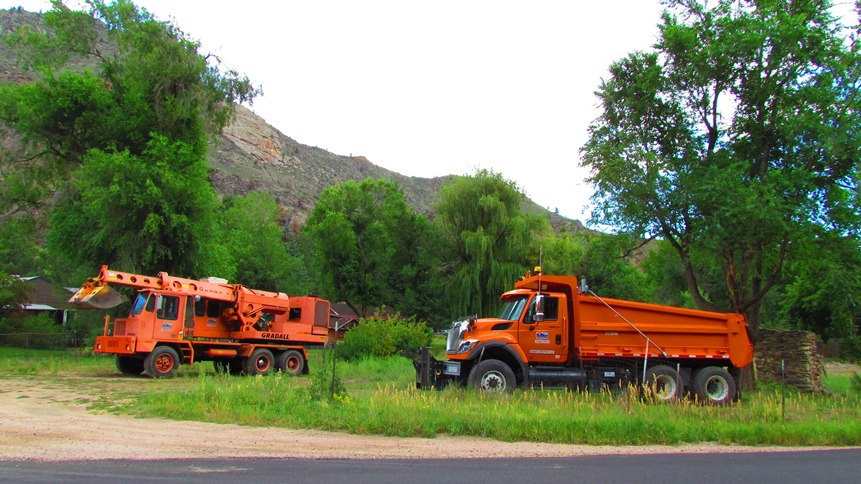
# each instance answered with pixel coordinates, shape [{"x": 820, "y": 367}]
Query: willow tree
[
  {"x": 736, "y": 140},
  {"x": 487, "y": 242},
  {"x": 117, "y": 124}
]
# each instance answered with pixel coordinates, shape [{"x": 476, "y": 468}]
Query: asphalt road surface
[{"x": 817, "y": 467}]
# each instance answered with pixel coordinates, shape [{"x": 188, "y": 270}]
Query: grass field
[{"x": 381, "y": 399}]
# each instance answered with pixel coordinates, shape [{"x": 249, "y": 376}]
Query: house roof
[
  {"x": 39, "y": 307},
  {"x": 45, "y": 296}
]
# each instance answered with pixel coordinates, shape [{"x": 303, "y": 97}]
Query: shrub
[
  {"x": 32, "y": 331},
  {"x": 850, "y": 348},
  {"x": 383, "y": 338},
  {"x": 40, "y": 323}
]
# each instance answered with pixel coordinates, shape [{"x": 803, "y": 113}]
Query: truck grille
[
  {"x": 455, "y": 336},
  {"x": 120, "y": 327}
]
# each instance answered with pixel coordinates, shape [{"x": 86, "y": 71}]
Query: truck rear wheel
[
  {"x": 130, "y": 365},
  {"x": 492, "y": 376},
  {"x": 291, "y": 362},
  {"x": 162, "y": 362},
  {"x": 260, "y": 362},
  {"x": 714, "y": 385},
  {"x": 663, "y": 383}
]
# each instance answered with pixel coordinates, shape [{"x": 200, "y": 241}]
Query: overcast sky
[{"x": 428, "y": 88}]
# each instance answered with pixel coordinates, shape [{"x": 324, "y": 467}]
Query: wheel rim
[
  {"x": 717, "y": 388},
  {"x": 164, "y": 363},
  {"x": 665, "y": 387},
  {"x": 493, "y": 382},
  {"x": 262, "y": 363},
  {"x": 292, "y": 364}
]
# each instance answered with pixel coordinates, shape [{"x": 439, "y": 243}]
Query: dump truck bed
[{"x": 672, "y": 332}]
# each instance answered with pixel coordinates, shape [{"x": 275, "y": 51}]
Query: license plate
[{"x": 451, "y": 369}]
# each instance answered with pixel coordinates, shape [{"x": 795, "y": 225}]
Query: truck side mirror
[
  {"x": 584, "y": 288},
  {"x": 539, "y": 308}
]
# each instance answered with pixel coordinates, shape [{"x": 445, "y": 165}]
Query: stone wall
[{"x": 804, "y": 366}]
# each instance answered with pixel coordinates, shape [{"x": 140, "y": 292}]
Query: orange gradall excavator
[
  {"x": 553, "y": 332},
  {"x": 177, "y": 321}
]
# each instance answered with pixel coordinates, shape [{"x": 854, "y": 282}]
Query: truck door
[
  {"x": 545, "y": 341},
  {"x": 167, "y": 323}
]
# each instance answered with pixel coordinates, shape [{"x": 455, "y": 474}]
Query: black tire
[
  {"x": 492, "y": 376},
  {"x": 663, "y": 383},
  {"x": 291, "y": 362},
  {"x": 236, "y": 366},
  {"x": 261, "y": 362},
  {"x": 714, "y": 386},
  {"x": 130, "y": 365},
  {"x": 162, "y": 362}
]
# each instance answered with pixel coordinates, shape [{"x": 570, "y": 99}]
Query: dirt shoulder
[{"x": 48, "y": 420}]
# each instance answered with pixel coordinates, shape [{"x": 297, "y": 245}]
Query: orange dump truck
[
  {"x": 177, "y": 321},
  {"x": 550, "y": 332}
]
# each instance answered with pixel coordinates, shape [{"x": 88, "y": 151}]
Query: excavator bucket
[{"x": 99, "y": 297}]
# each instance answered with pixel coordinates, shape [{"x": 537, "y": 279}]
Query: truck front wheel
[
  {"x": 714, "y": 385},
  {"x": 492, "y": 376},
  {"x": 162, "y": 362},
  {"x": 130, "y": 365}
]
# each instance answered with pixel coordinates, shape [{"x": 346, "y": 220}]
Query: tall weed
[{"x": 324, "y": 383}]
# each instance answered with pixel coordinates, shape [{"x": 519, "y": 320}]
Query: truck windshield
[
  {"x": 138, "y": 305},
  {"x": 512, "y": 307}
]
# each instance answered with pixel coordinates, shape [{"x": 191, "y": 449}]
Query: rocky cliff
[{"x": 252, "y": 155}]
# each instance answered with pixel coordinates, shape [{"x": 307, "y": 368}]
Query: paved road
[{"x": 819, "y": 467}]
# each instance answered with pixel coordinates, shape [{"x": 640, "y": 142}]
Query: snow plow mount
[{"x": 430, "y": 372}]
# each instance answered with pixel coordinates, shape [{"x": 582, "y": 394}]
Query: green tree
[
  {"x": 20, "y": 252},
  {"x": 371, "y": 249},
  {"x": 14, "y": 293},
  {"x": 666, "y": 276},
  {"x": 734, "y": 140},
  {"x": 154, "y": 212},
  {"x": 487, "y": 242},
  {"x": 823, "y": 295},
  {"x": 601, "y": 259},
  {"x": 138, "y": 122},
  {"x": 253, "y": 236}
]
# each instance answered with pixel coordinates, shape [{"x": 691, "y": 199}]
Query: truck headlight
[{"x": 466, "y": 345}]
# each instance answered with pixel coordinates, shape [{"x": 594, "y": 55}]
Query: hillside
[{"x": 251, "y": 155}]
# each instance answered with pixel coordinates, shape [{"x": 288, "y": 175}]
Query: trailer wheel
[
  {"x": 162, "y": 362},
  {"x": 714, "y": 385},
  {"x": 291, "y": 362},
  {"x": 663, "y": 383},
  {"x": 130, "y": 365},
  {"x": 492, "y": 376},
  {"x": 260, "y": 362}
]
